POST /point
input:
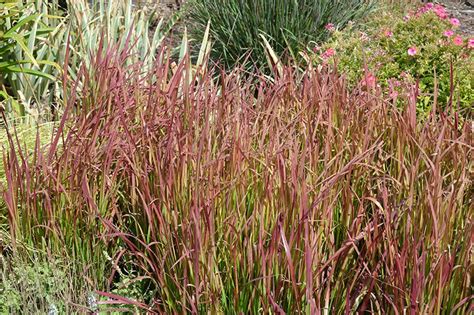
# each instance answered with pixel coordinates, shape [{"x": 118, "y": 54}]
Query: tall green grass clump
[
  {"x": 237, "y": 26},
  {"x": 290, "y": 196}
]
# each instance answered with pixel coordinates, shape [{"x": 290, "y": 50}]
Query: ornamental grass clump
[
  {"x": 237, "y": 26},
  {"x": 293, "y": 195}
]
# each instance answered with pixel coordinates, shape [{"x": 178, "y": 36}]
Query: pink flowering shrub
[{"x": 422, "y": 46}]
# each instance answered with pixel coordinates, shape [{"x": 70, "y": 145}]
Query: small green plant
[
  {"x": 421, "y": 48},
  {"x": 33, "y": 286},
  {"x": 237, "y": 26}
]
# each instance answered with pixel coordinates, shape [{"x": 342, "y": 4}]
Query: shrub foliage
[{"x": 423, "y": 46}]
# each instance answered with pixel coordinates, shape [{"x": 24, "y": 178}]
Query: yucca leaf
[
  {"x": 20, "y": 41},
  {"x": 184, "y": 49},
  {"x": 20, "y": 24},
  {"x": 205, "y": 47},
  {"x": 274, "y": 60},
  {"x": 19, "y": 69}
]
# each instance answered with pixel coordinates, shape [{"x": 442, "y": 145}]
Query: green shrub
[
  {"x": 34, "y": 286},
  {"x": 237, "y": 25},
  {"x": 422, "y": 46}
]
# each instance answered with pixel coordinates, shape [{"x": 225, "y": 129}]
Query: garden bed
[{"x": 290, "y": 157}]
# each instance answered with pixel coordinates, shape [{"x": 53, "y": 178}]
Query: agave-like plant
[
  {"x": 115, "y": 23},
  {"x": 37, "y": 37},
  {"x": 28, "y": 64}
]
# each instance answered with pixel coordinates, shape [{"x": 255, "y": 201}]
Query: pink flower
[
  {"x": 412, "y": 51},
  {"x": 440, "y": 11},
  {"x": 370, "y": 79},
  {"x": 458, "y": 41},
  {"x": 388, "y": 33},
  {"x": 439, "y": 8},
  {"x": 328, "y": 53},
  {"x": 406, "y": 17},
  {"x": 427, "y": 7},
  {"x": 454, "y": 22},
  {"x": 330, "y": 27},
  {"x": 443, "y": 16},
  {"x": 470, "y": 43},
  {"x": 448, "y": 33}
]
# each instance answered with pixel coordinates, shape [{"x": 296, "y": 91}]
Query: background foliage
[
  {"x": 237, "y": 26},
  {"x": 382, "y": 48}
]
